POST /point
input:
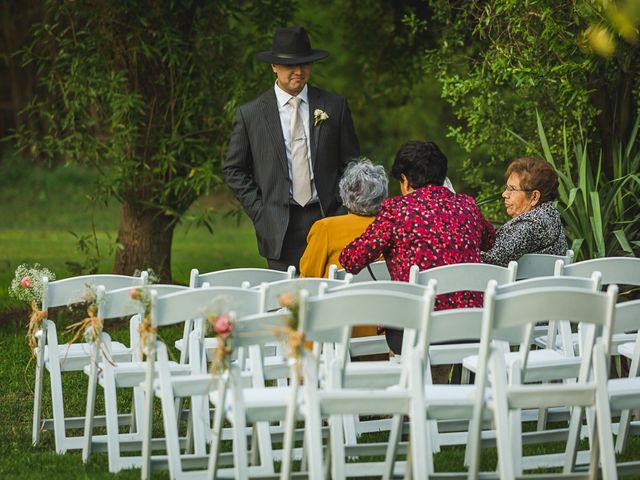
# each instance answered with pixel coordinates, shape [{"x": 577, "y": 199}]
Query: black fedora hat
[{"x": 291, "y": 46}]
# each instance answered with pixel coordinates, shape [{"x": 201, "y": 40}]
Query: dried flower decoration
[
  {"x": 294, "y": 337},
  {"x": 223, "y": 327},
  {"x": 90, "y": 328},
  {"x": 143, "y": 296},
  {"x": 27, "y": 286}
]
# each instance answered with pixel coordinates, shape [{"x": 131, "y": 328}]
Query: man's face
[{"x": 292, "y": 78}]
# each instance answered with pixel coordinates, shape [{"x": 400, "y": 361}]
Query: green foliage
[
  {"x": 602, "y": 215},
  {"x": 145, "y": 91},
  {"x": 500, "y": 60}
]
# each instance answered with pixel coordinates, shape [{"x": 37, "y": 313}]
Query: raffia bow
[
  {"x": 145, "y": 329},
  {"x": 90, "y": 328},
  {"x": 34, "y": 325}
]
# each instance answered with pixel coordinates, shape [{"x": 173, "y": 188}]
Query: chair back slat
[
  {"x": 323, "y": 317},
  {"x": 197, "y": 303},
  {"x": 236, "y": 277},
  {"x": 384, "y": 286},
  {"x": 456, "y": 325},
  {"x": 70, "y": 290},
  {"x": 620, "y": 270},
  {"x": 627, "y": 316},
  {"x": 260, "y": 329},
  {"x": 584, "y": 283},
  {"x": 464, "y": 276},
  {"x": 118, "y": 303},
  {"x": 540, "y": 265},
  {"x": 294, "y": 286}
]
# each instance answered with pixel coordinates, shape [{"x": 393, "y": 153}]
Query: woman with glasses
[{"x": 535, "y": 225}]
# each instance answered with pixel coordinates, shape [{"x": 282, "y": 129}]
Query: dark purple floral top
[{"x": 429, "y": 227}]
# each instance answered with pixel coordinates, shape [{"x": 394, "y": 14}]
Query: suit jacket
[{"x": 256, "y": 167}]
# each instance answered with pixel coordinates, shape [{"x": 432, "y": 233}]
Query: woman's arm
[
  {"x": 513, "y": 240},
  {"x": 373, "y": 243}
]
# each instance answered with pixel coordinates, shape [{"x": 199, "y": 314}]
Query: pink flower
[
  {"x": 25, "y": 282},
  {"x": 134, "y": 293},
  {"x": 286, "y": 299},
  {"x": 223, "y": 325}
]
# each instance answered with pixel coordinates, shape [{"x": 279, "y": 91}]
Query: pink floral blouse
[{"x": 429, "y": 227}]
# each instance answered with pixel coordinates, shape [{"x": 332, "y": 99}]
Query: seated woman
[
  {"x": 363, "y": 187},
  {"x": 428, "y": 226},
  {"x": 535, "y": 226}
]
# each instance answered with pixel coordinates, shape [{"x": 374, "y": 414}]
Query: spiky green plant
[{"x": 602, "y": 215}]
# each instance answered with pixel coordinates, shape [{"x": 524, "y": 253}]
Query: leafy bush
[{"x": 602, "y": 215}]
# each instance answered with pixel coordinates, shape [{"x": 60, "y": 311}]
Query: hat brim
[{"x": 269, "y": 57}]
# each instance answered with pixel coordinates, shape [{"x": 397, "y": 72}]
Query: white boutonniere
[{"x": 319, "y": 116}]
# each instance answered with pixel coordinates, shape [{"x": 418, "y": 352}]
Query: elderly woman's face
[{"x": 516, "y": 199}]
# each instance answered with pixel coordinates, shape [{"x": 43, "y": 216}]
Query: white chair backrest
[
  {"x": 621, "y": 270},
  {"x": 71, "y": 290},
  {"x": 383, "y": 286},
  {"x": 464, "y": 276},
  {"x": 592, "y": 282},
  {"x": 198, "y": 303},
  {"x": 539, "y": 264},
  {"x": 379, "y": 269},
  {"x": 236, "y": 277},
  {"x": 627, "y": 316},
  {"x": 118, "y": 303},
  {"x": 510, "y": 316},
  {"x": 328, "y": 318},
  {"x": 294, "y": 286}
]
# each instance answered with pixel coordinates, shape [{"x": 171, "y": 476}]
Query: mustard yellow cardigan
[{"x": 326, "y": 239}]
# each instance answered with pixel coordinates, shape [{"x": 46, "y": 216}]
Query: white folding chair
[
  {"x": 194, "y": 304},
  {"x": 508, "y": 316},
  {"x": 327, "y": 319},
  {"x": 533, "y": 265},
  {"x": 624, "y": 393},
  {"x": 57, "y": 359},
  {"x": 618, "y": 270},
  {"x": 256, "y": 404},
  {"x": 112, "y": 374}
]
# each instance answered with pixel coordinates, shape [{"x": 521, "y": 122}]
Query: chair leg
[
  {"x": 336, "y": 441},
  {"x": 111, "y": 419},
  {"x": 218, "y": 418},
  {"x": 90, "y": 411},
  {"x": 623, "y": 431},
  {"x": 392, "y": 446},
  {"x": 37, "y": 397},
  {"x": 289, "y": 430},
  {"x": 575, "y": 425}
]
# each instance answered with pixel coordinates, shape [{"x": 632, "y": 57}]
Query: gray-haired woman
[{"x": 363, "y": 187}]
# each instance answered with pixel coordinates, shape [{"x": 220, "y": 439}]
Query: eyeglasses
[{"x": 509, "y": 188}]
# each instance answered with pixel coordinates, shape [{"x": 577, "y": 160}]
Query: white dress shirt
[{"x": 286, "y": 111}]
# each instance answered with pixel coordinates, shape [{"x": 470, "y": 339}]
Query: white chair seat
[
  {"x": 450, "y": 402},
  {"x": 372, "y": 374},
  {"x": 76, "y": 356},
  {"x": 616, "y": 340},
  {"x": 131, "y": 374},
  {"x": 626, "y": 349},
  {"x": 624, "y": 393},
  {"x": 545, "y": 364},
  {"x": 260, "y": 404}
]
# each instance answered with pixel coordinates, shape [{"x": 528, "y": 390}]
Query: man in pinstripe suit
[{"x": 263, "y": 163}]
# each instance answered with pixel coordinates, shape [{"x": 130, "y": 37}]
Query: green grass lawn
[{"x": 38, "y": 209}]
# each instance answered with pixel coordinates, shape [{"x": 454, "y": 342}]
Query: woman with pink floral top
[{"x": 428, "y": 226}]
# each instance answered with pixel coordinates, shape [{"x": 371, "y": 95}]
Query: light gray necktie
[{"x": 300, "y": 177}]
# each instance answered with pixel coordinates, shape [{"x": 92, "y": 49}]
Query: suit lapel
[
  {"x": 274, "y": 126},
  {"x": 315, "y": 102}
]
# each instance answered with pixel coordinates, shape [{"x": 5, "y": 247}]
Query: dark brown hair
[{"x": 536, "y": 174}]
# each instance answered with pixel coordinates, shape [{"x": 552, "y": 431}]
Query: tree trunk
[{"x": 144, "y": 239}]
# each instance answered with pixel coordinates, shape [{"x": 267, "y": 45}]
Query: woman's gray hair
[{"x": 363, "y": 187}]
